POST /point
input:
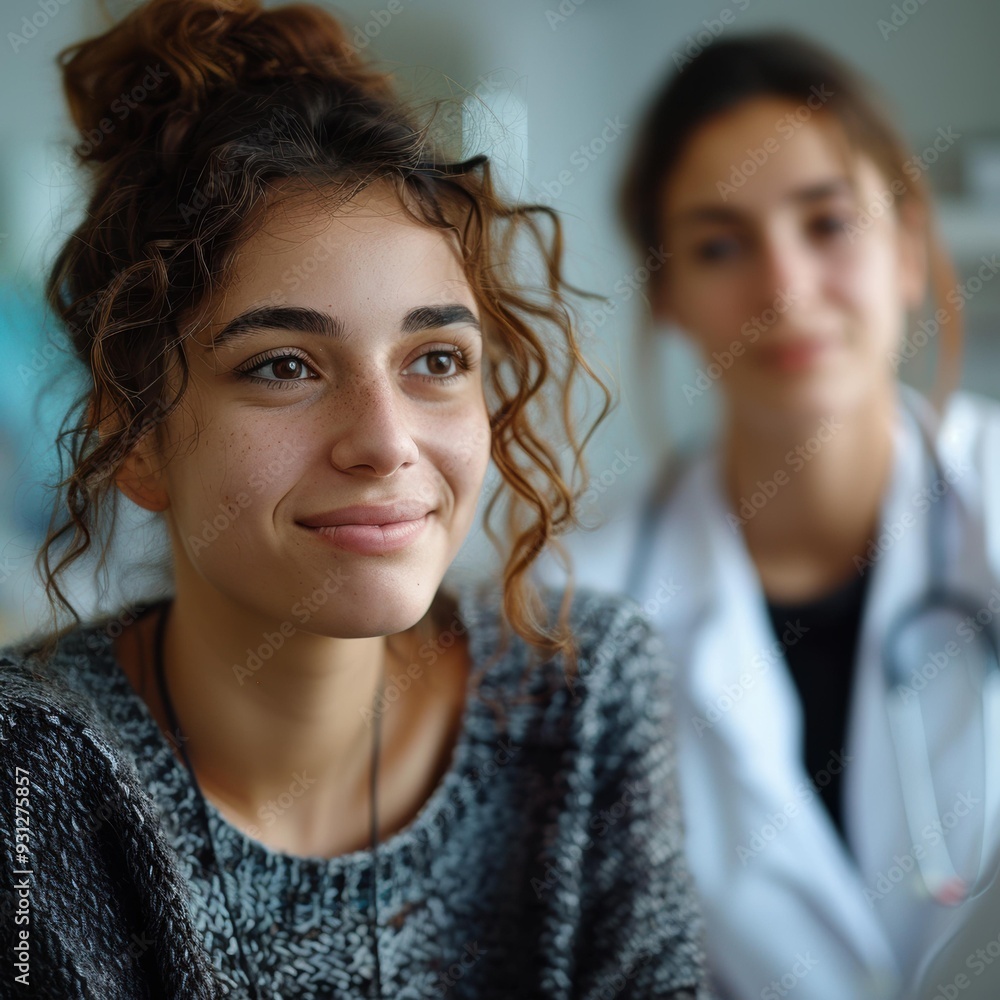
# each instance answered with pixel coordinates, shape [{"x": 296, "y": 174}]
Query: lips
[
  {"x": 372, "y": 529},
  {"x": 794, "y": 355},
  {"x": 376, "y": 514}
]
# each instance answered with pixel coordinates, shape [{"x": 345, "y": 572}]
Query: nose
[
  {"x": 374, "y": 431},
  {"x": 789, "y": 270}
]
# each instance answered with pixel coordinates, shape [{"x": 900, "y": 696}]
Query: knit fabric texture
[{"x": 546, "y": 863}]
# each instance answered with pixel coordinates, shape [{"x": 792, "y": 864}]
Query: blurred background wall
[{"x": 560, "y": 86}]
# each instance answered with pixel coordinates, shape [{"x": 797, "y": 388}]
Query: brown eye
[
  {"x": 287, "y": 368},
  {"x": 718, "y": 249},
  {"x": 439, "y": 364},
  {"x": 829, "y": 225},
  {"x": 276, "y": 370}
]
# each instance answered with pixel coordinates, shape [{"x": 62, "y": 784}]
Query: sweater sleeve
[
  {"x": 641, "y": 932},
  {"x": 90, "y": 896}
]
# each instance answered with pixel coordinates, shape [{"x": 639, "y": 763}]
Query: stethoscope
[
  {"x": 939, "y": 604},
  {"x": 940, "y": 610}
]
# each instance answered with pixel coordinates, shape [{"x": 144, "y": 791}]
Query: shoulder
[
  {"x": 970, "y": 415},
  {"x": 621, "y": 671},
  {"x": 53, "y": 734},
  {"x": 597, "y": 618},
  {"x": 59, "y": 693},
  {"x": 616, "y": 641},
  {"x": 969, "y": 444},
  {"x": 970, "y": 452},
  {"x": 78, "y": 815},
  {"x": 54, "y": 729},
  {"x": 969, "y": 432}
]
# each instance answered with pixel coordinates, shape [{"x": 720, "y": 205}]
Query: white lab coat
[{"x": 788, "y": 910}]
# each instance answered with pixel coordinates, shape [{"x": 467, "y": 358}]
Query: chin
[
  {"x": 811, "y": 397},
  {"x": 362, "y": 610}
]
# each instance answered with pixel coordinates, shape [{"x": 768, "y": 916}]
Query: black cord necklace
[{"x": 376, "y": 746}]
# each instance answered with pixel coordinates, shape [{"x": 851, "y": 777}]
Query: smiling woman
[
  {"x": 372, "y": 370},
  {"x": 316, "y": 770}
]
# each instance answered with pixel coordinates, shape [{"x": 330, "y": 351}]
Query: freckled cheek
[
  {"x": 231, "y": 467},
  {"x": 202, "y": 501},
  {"x": 266, "y": 466},
  {"x": 461, "y": 454}
]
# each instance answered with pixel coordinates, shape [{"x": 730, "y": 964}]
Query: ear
[
  {"x": 143, "y": 487},
  {"x": 659, "y": 301},
  {"x": 913, "y": 255},
  {"x": 139, "y": 476}
]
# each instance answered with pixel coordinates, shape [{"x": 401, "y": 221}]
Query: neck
[
  {"x": 273, "y": 716},
  {"x": 809, "y": 492}
]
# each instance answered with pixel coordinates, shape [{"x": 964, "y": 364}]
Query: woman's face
[
  {"x": 325, "y": 464},
  {"x": 796, "y": 297}
]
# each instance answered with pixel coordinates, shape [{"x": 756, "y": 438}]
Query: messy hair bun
[
  {"x": 152, "y": 75},
  {"x": 193, "y": 114}
]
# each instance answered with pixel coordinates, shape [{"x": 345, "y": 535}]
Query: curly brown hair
[{"x": 191, "y": 113}]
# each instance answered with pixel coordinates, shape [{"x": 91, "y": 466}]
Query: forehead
[
  {"x": 365, "y": 253},
  {"x": 752, "y": 157}
]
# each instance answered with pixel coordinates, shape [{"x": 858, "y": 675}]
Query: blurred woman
[{"x": 826, "y": 574}]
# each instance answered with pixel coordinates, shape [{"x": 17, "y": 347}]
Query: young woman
[
  {"x": 825, "y": 574},
  {"x": 312, "y": 771}
]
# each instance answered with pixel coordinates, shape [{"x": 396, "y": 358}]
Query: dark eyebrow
[
  {"x": 306, "y": 320},
  {"x": 827, "y": 189},
  {"x": 279, "y": 318},
  {"x": 806, "y": 195},
  {"x": 705, "y": 213},
  {"x": 431, "y": 317}
]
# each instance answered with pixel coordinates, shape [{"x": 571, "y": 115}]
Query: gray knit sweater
[{"x": 547, "y": 862}]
